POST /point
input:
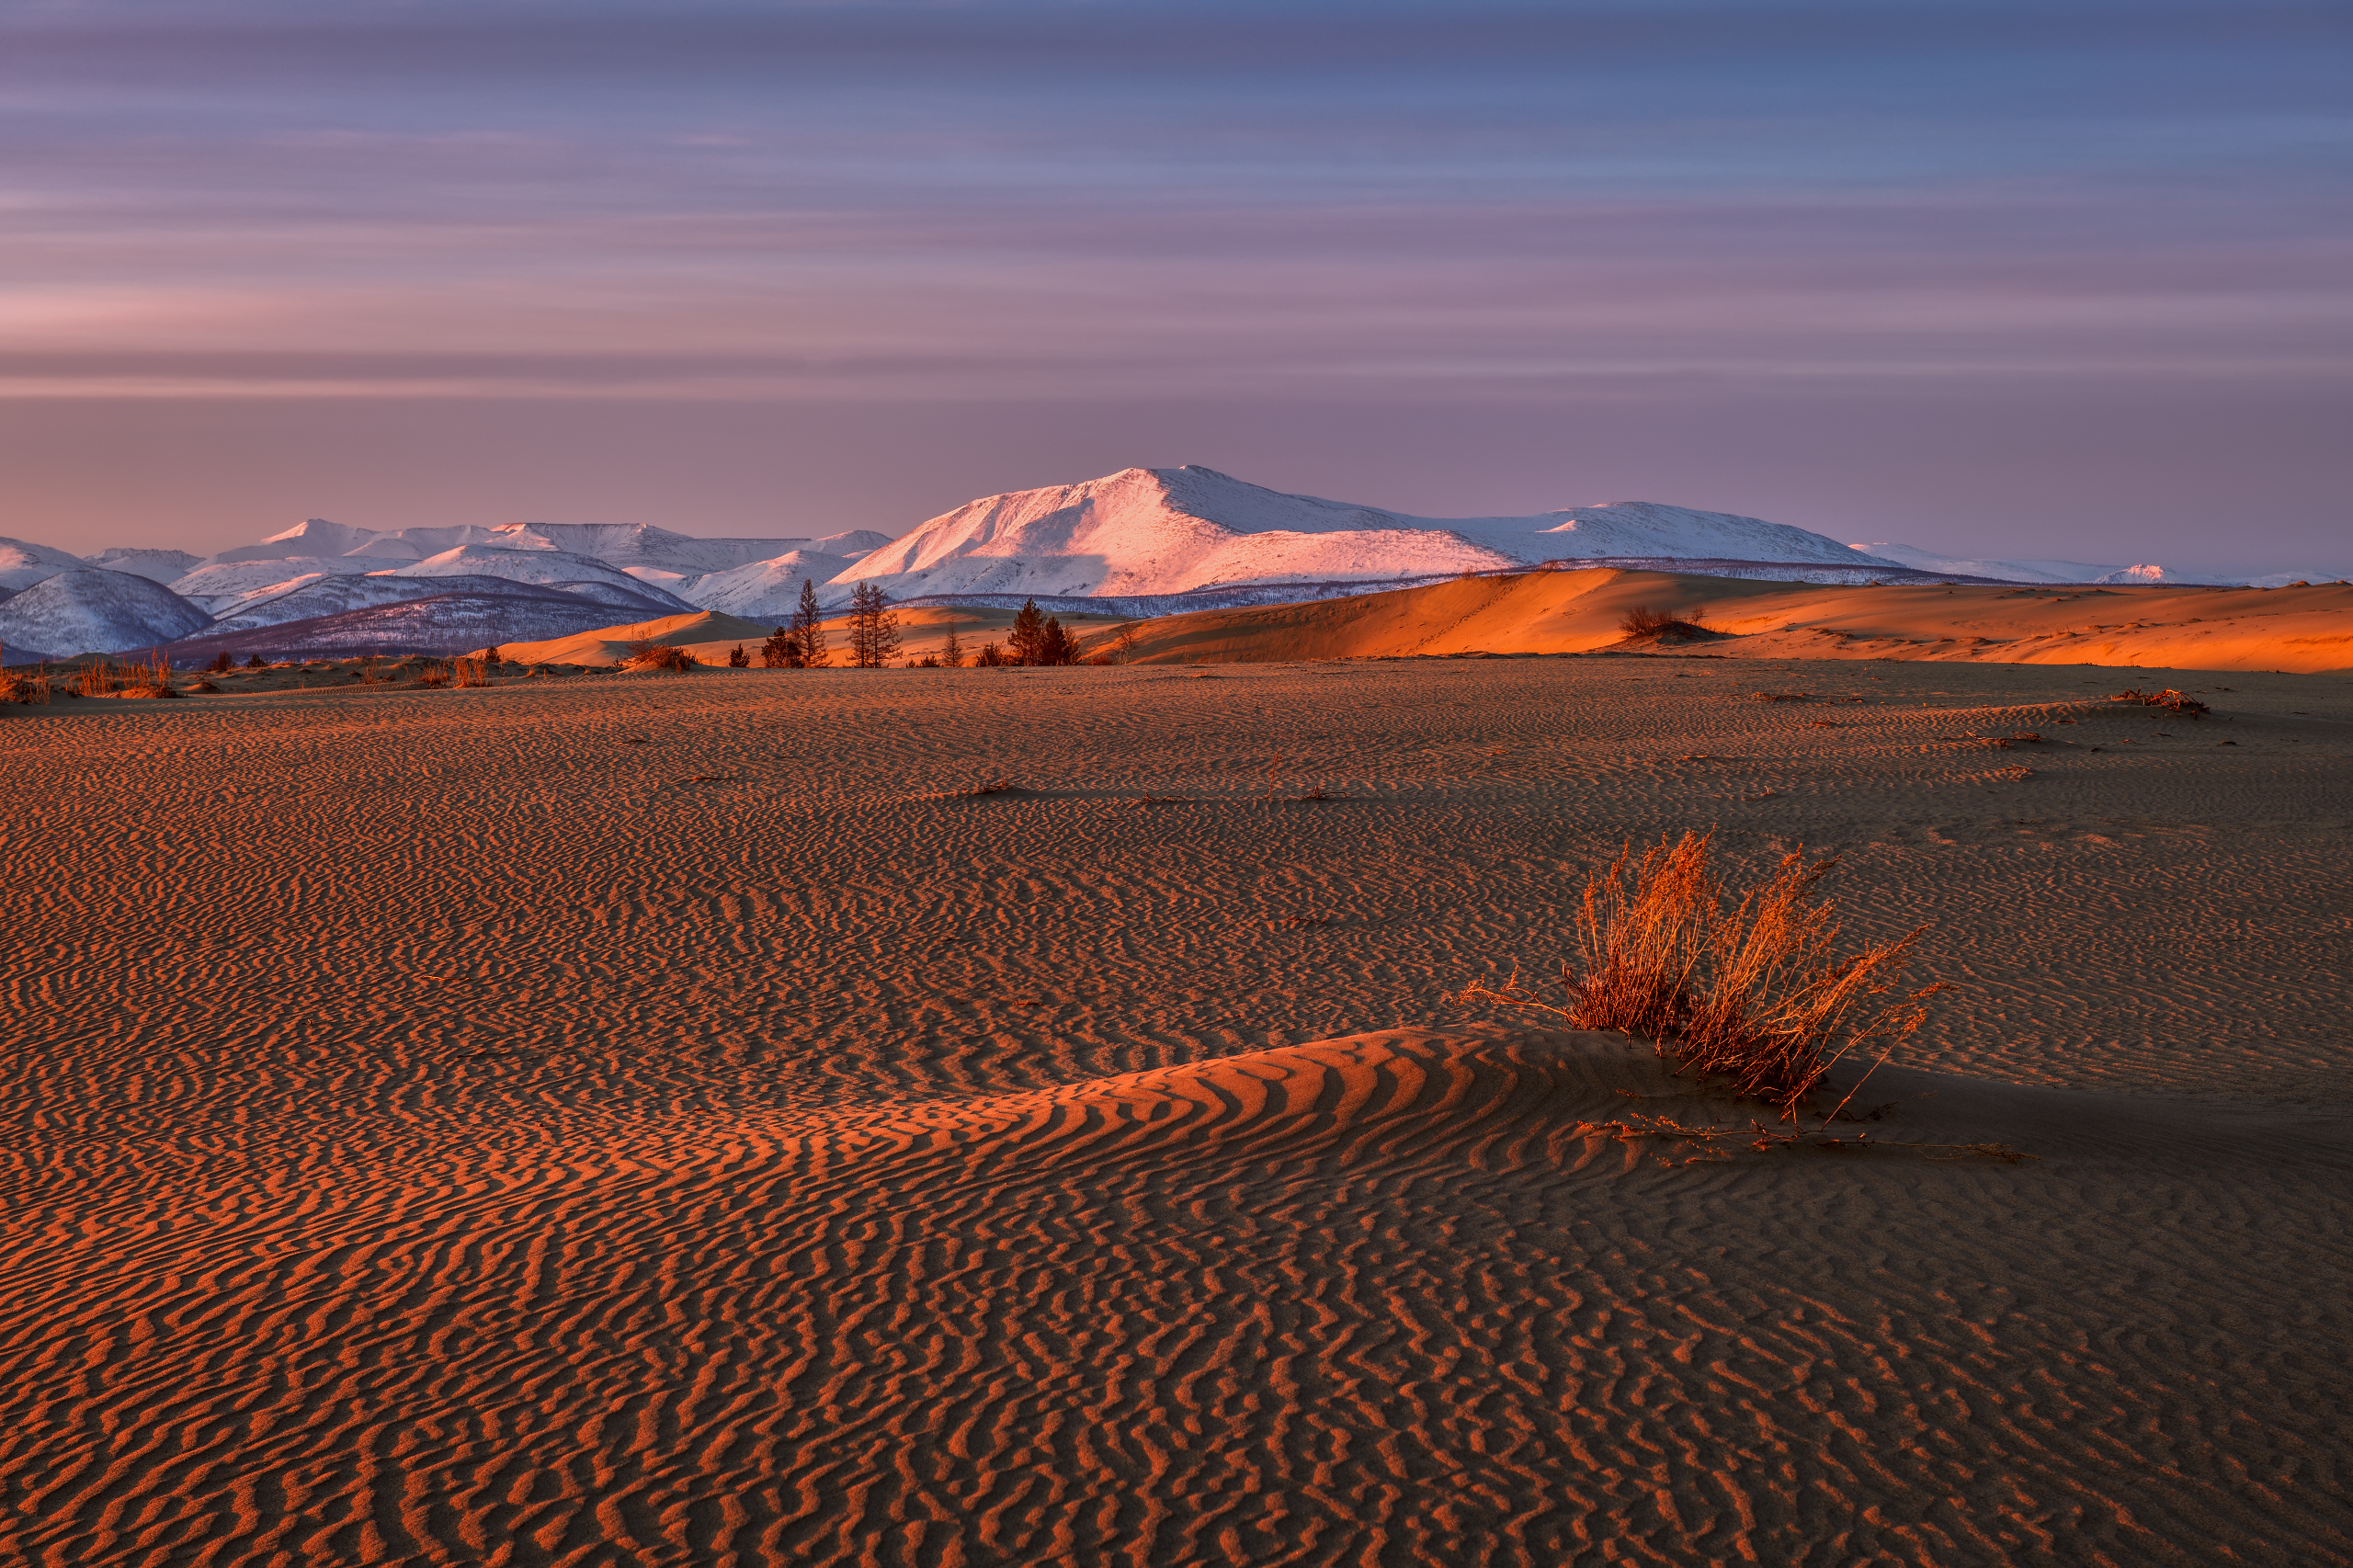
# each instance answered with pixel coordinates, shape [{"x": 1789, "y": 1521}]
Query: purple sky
[{"x": 2059, "y": 279}]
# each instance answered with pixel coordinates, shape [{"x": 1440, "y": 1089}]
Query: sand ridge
[
  {"x": 662, "y": 1119},
  {"x": 2305, "y": 629}
]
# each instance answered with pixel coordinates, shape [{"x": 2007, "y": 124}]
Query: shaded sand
[
  {"x": 2302, "y": 630},
  {"x": 633, "y": 1120},
  {"x": 711, "y": 636}
]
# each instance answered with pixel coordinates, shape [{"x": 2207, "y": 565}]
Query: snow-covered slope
[
  {"x": 90, "y": 611},
  {"x": 165, "y": 566},
  {"x": 23, "y": 563},
  {"x": 552, "y": 568},
  {"x": 1171, "y": 530},
  {"x": 221, "y": 586},
  {"x": 311, "y": 598},
  {"x": 770, "y": 590}
]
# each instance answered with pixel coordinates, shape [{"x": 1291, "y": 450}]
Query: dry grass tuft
[
  {"x": 995, "y": 784},
  {"x": 1757, "y": 995}
]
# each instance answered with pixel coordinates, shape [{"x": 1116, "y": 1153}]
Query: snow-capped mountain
[
  {"x": 1175, "y": 529},
  {"x": 439, "y": 623},
  {"x": 2078, "y": 571},
  {"x": 552, "y": 568},
  {"x": 307, "y": 598},
  {"x": 156, "y": 565},
  {"x": 90, "y": 611},
  {"x": 770, "y": 590}
]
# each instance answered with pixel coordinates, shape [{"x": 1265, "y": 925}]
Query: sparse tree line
[{"x": 1034, "y": 639}]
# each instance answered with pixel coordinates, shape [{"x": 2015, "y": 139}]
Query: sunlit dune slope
[{"x": 2296, "y": 629}]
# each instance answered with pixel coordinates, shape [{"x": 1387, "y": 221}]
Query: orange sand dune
[
  {"x": 673, "y": 1120},
  {"x": 2297, "y": 629}
]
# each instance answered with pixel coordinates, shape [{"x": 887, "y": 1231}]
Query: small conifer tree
[
  {"x": 951, "y": 653},
  {"x": 1056, "y": 646},
  {"x": 808, "y": 625},
  {"x": 1027, "y": 641},
  {"x": 738, "y": 659},
  {"x": 256, "y": 662},
  {"x": 780, "y": 651}
]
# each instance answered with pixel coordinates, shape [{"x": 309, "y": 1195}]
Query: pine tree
[
  {"x": 781, "y": 652},
  {"x": 1123, "y": 646},
  {"x": 739, "y": 660},
  {"x": 1027, "y": 641},
  {"x": 808, "y": 628},
  {"x": 951, "y": 653},
  {"x": 873, "y": 627}
]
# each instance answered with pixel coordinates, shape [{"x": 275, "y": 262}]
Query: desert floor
[{"x": 666, "y": 1118}]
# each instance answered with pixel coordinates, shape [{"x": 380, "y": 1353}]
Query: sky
[{"x": 2069, "y": 278}]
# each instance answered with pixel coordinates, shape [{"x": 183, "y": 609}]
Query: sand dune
[
  {"x": 2298, "y": 630},
  {"x": 627, "y": 1121}
]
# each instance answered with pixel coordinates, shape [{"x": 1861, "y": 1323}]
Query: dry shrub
[
  {"x": 433, "y": 676},
  {"x": 469, "y": 671},
  {"x": 1643, "y": 620},
  {"x": 15, "y": 688},
  {"x": 651, "y": 655},
  {"x": 1757, "y": 995}
]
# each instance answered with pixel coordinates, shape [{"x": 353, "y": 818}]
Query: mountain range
[{"x": 1152, "y": 540}]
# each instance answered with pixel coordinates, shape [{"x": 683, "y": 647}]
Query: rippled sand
[{"x": 664, "y": 1120}]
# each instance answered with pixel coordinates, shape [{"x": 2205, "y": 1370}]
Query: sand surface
[
  {"x": 652, "y": 1119},
  {"x": 2303, "y": 629}
]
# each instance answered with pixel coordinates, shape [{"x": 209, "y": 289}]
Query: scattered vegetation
[
  {"x": 2169, "y": 700},
  {"x": 1756, "y": 992}
]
